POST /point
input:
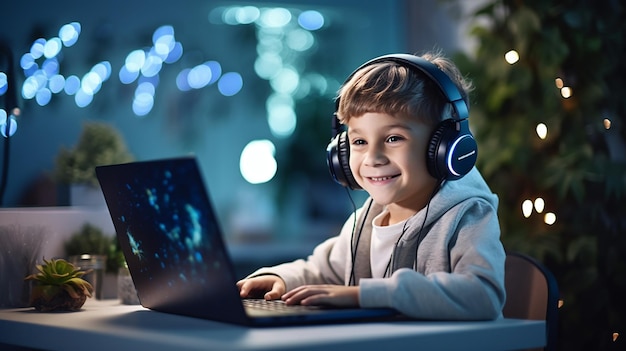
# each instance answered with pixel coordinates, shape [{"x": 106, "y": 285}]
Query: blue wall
[{"x": 203, "y": 122}]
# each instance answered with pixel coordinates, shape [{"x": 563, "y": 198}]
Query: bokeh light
[
  {"x": 4, "y": 120},
  {"x": 69, "y": 33},
  {"x": 145, "y": 65},
  {"x": 134, "y": 61},
  {"x": 311, "y": 20},
  {"x": 274, "y": 17},
  {"x": 559, "y": 83},
  {"x": 549, "y": 218},
  {"x": 52, "y": 47},
  {"x": 542, "y": 131},
  {"x": 72, "y": 84},
  {"x": 539, "y": 205},
  {"x": 511, "y": 57},
  {"x": 281, "y": 116},
  {"x": 300, "y": 40},
  {"x": 230, "y": 83},
  {"x": 4, "y": 83},
  {"x": 285, "y": 81},
  {"x": 527, "y": 208},
  {"x": 284, "y": 39},
  {"x": 257, "y": 163},
  {"x": 566, "y": 92},
  {"x": 199, "y": 76},
  {"x": 284, "y": 36},
  {"x": 43, "y": 96},
  {"x": 56, "y": 83},
  {"x": 44, "y": 79}
]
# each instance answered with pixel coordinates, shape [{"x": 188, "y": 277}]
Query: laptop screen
[{"x": 170, "y": 236}]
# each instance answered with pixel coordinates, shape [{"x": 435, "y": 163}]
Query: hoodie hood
[{"x": 451, "y": 194}]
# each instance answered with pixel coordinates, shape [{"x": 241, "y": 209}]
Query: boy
[{"x": 427, "y": 240}]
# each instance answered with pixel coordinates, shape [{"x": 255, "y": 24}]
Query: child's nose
[{"x": 376, "y": 156}]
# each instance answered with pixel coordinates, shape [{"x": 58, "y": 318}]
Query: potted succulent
[{"x": 59, "y": 286}]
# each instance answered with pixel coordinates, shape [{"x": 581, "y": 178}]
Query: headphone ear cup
[
  {"x": 338, "y": 159},
  {"x": 451, "y": 152},
  {"x": 432, "y": 154},
  {"x": 344, "y": 160}
]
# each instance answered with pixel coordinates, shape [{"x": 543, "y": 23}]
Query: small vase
[
  {"x": 50, "y": 298},
  {"x": 96, "y": 266},
  {"x": 126, "y": 291}
]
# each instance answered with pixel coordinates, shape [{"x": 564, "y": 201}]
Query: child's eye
[
  {"x": 394, "y": 138},
  {"x": 358, "y": 142}
]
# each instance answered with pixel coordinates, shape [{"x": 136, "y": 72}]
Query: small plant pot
[
  {"x": 126, "y": 291},
  {"x": 50, "y": 298}
]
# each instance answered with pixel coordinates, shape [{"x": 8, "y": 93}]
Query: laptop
[{"x": 175, "y": 250}]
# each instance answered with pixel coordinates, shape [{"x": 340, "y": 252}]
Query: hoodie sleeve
[
  {"x": 472, "y": 288},
  {"x": 326, "y": 265}
]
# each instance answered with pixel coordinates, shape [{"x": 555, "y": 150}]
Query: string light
[
  {"x": 559, "y": 83},
  {"x": 542, "y": 130},
  {"x": 560, "y": 303},
  {"x": 527, "y": 208},
  {"x": 607, "y": 123},
  {"x": 549, "y": 218},
  {"x": 539, "y": 205},
  {"x": 511, "y": 57},
  {"x": 615, "y": 336},
  {"x": 566, "y": 92}
]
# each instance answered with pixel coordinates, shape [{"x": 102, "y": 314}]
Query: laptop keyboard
[{"x": 275, "y": 305}]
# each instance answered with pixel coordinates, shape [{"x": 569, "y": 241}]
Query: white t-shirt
[{"x": 384, "y": 239}]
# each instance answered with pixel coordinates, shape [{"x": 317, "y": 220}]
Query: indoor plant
[
  {"x": 89, "y": 247},
  {"x": 59, "y": 286},
  {"x": 99, "y": 144},
  {"x": 90, "y": 239}
]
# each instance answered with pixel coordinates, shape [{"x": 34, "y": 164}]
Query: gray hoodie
[{"x": 456, "y": 272}]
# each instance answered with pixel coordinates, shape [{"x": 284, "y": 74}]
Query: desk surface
[{"x": 108, "y": 325}]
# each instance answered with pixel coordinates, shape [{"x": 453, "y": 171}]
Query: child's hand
[
  {"x": 334, "y": 295},
  {"x": 270, "y": 287}
]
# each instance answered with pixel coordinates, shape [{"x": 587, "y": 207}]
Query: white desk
[{"x": 107, "y": 325}]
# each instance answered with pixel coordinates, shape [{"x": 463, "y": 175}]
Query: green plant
[
  {"x": 99, "y": 144},
  {"x": 59, "y": 286},
  {"x": 578, "y": 169},
  {"x": 90, "y": 239}
]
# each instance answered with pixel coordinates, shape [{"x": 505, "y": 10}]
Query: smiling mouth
[{"x": 382, "y": 179}]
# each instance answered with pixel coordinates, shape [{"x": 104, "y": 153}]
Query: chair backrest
[{"x": 532, "y": 293}]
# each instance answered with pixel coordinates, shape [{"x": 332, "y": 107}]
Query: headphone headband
[{"x": 447, "y": 87}]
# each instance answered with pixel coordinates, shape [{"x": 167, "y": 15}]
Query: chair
[{"x": 532, "y": 293}]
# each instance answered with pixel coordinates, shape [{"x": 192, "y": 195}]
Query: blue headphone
[{"x": 452, "y": 149}]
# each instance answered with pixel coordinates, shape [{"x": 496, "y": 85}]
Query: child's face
[{"x": 388, "y": 159}]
